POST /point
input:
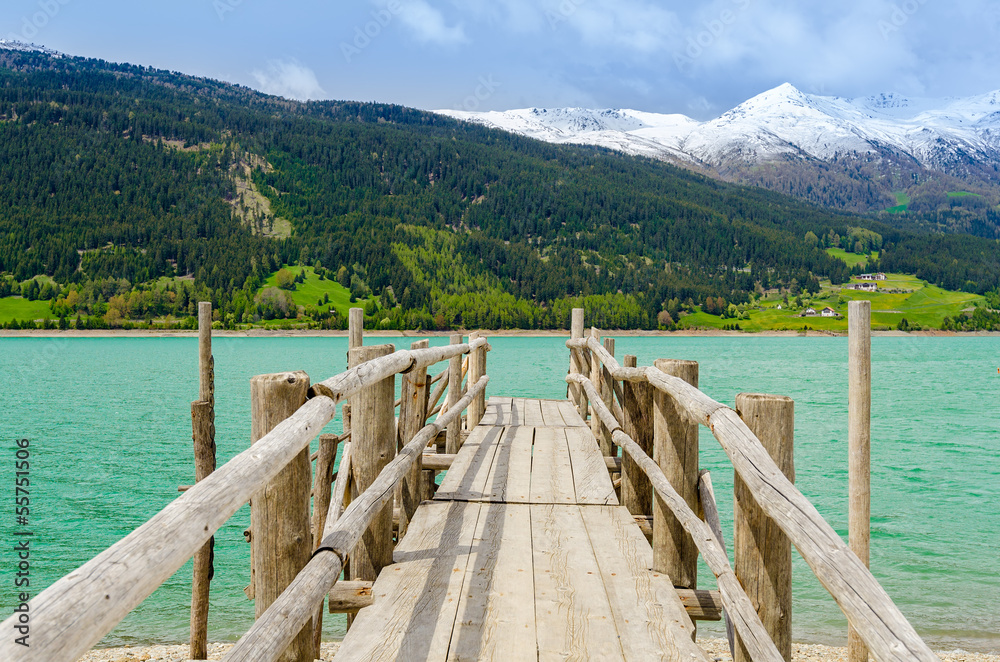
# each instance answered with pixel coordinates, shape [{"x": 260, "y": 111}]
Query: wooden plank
[
  {"x": 573, "y": 615},
  {"x": 466, "y": 480},
  {"x": 591, "y": 480},
  {"x": 417, "y": 598},
  {"x": 551, "y": 470},
  {"x": 510, "y": 477},
  {"x": 550, "y": 414},
  {"x": 494, "y": 619},
  {"x": 570, "y": 415},
  {"x": 651, "y": 621},
  {"x": 532, "y": 410}
]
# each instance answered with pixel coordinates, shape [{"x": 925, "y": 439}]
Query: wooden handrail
[
  {"x": 866, "y": 604},
  {"x": 735, "y": 600},
  {"x": 274, "y": 630},
  {"x": 76, "y": 611}
]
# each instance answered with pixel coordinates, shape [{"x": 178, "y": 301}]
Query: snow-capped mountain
[
  {"x": 780, "y": 122},
  {"x": 958, "y": 137},
  {"x": 14, "y": 45}
]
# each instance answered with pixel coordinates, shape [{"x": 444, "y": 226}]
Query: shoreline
[
  {"x": 716, "y": 649},
  {"x": 502, "y": 333}
]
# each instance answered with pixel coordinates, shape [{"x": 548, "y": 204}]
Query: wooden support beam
[
  {"x": 373, "y": 446},
  {"x": 412, "y": 414},
  {"x": 279, "y": 513},
  {"x": 322, "y": 493},
  {"x": 454, "y": 395},
  {"x": 675, "y": 442},
  {"x": 438, "y": 462},
  {"x": 577, "y": 394},
  {"x": 352, "y": 597},
  {"x": 605, "y": 387},
  {"x": 859, "y": 403},
  {"x": 637, "y": 491},
  {"x": 203, "y": 433},
  {"x": 355, "y": 328},
  {"x": 763, "y": 553},
  {"x": 477, "y": 368},
  {"x": 710, "y": 508}
]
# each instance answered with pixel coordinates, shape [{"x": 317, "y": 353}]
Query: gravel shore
[{"x": 717, "y": 649}]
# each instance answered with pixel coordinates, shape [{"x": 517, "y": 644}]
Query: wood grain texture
[
  {"x": 591, "y": 481},
  {"x": 859, "y": 402},
  {"x": 355, "y": 328},
  {"x": 412, "y": 417},
  {"x": 710, "y": 508},
  {"x": 373, "y": 446},
  {"x": 477, "y": 368},
  {"x": 577, "y": 394},
  {"x": 279, "y": 513},
  {"x": 762, "y": 552},
  {"x": 551, "y": 468},
  {"x": 322, "y": 493},
  {"x": 203, "y": 435},
  {"x": 637, "y": 492},
  {"x": 454, "y": 395},
  {"x": 675, "y": 447}
]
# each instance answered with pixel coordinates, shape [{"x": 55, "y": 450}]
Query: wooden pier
[{"x": 540, "y": 542}]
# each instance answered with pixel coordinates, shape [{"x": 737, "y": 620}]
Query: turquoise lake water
[{"x": 109, "y": 425}]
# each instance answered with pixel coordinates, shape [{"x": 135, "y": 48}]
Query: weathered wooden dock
[
  {"x": 524, "y": 554},
  {"x": 562, "y": 530}
]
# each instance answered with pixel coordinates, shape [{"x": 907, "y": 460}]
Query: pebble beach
[{"x": 717, "y": 649}]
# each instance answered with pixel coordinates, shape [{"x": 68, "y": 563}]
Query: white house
[
  {"x": 871, "y": 277},
  {"x": 809, "y": 312},
  {"x": 828, "y": 312},
  {"x": 864, "y": 287}
]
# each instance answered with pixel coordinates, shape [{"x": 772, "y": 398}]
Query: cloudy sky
[{"x": 696, "y": 58}]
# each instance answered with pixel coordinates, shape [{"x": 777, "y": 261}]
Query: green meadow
[
  {"x": 902, "y": 202},
  {"x": 851, "y": 259},
  {"x": 16, "y": 308},
  {"x": 899, "y": 296},
  {"x": 313, "y": 291}
]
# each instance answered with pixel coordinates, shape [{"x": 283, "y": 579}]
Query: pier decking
[{"x": 524, "y": 554}]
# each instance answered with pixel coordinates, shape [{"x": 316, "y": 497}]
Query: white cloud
[
  {"x": 427, "y": 24},
  {"x": 288, "y": 78}
]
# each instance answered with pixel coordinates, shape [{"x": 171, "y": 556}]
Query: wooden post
[
  {"x": 412, "y": 414},
  {"x": 859, "y": 399},
  {"x": 203, "y": 428},
  {"x": 763, "y": 554},
  {"x": 607, "y": 391},
  {"x": 355, "y": 327},
  {"x": 279, "y": 514},
  {"x": 373, "y": 446},
  {"x": 206, "y": 364},
  {"x": 203, "y": 435},
  {"x": 595, "y": 378},
  {"x": 637, "y": 491},
  {"x": 675, "y": 447},
  {"x": 322, "y": 492},
  {"x": 477, "y": 368},
  {"x": 453, "y": 434},
  {"x": 578, "y": 394}
]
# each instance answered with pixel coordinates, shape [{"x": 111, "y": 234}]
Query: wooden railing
[
  {"x": 75, "y": 612},
  {"x": 596, "y": 380}
]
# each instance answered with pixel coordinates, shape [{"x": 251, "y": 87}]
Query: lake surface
[{"x": 110, "y": 431}]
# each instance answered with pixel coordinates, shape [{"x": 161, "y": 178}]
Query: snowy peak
[
  {"x": 14, "y": 45},
  {"x": 779, "y": 123}
]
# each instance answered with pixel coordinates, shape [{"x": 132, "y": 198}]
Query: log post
[
  {"x": 675, "y": 447},
  {"x": 477, "y": 368},
  {"x": 453, "y": 434},
  {"x": 637, "y": 491},
  {"x": 373, "y": 446},
  {"x": 355, "y": 327},
  {"x": 279, "y": 513},
  {"x": 412, "y": 414},
  {"x": 578, "y": 394},
  {"x": 203, "y": 435},
  {"x": 607, "y": 391},
  {"x": 763, "y": 554},
  {"x": 203, "y": 428},
  {"x": 595, "y": 378},
  {"x": 859, "y": 399},
  {"x": 322, "y": 492}
]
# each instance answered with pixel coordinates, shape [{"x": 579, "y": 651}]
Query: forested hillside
[{"x": 129, "y": 193}]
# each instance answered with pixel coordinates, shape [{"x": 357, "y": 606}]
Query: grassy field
[
  {"x": 962, "y": 194},
  {"x": 851, "y": 259},
  {"x": 902, "y": 202},
  {"x": 920, "y": 303},
  {"x": 16, "y": 308},
  {"x": 312, "y": 291}
]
